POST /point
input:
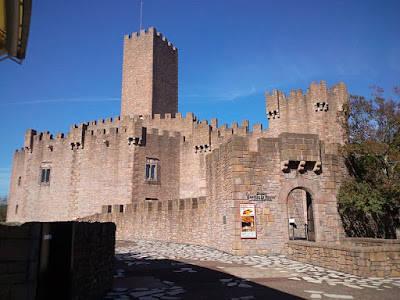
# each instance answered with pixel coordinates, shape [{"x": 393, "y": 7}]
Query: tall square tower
[{"x": 149, "y": 75}]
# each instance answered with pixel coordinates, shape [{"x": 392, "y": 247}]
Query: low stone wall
[
  {"x": 19, "y": 260},
  {"x": 179, "y": 221},
  {"x": 362, "y": 257},
  {"x": 93, "y": 260},
  {"x": 26, "y": 254}
]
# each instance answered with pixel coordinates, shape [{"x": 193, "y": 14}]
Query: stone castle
[{"x": 163, "y": 176}]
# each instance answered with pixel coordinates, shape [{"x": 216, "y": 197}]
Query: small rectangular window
[
  {"x": 121, "y": 208},
  {"x": 109, "y": 209},
  {"x": 45, "y": 175},
  {"x": 152, "y": 170}
]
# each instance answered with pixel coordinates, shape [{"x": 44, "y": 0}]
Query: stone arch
[{"x": 310, "y": 187}]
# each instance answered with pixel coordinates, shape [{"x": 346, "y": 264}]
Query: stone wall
[
  {"x": 150, "y": 75},
  {"x": 361, "y": 257},
  {"x": 179, "y": 220},
  {"x": 165, "y": 76},
  {"x": 319, "y": 111},
  {"x": 104, "y": 165},
  {"x": 19, "y": 260},
  {"x": 233, "y": 174},
  {"x": 29, "y": 263},
  {"x": 93, "y": 252}
]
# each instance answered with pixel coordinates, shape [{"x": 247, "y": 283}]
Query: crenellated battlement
[
  {"x": 314, "y": 92},
  {"x": 319, "y": 110},
  {"x": 106, "y": 128},
  {"x": 150, "y": 33},
  {"x": 190, "y": 128},
  {"x": 151, "y": 206}
]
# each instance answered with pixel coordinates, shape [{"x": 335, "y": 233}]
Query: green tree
[
  {"x": 3, "y": 208},
  {"x": 369, "y": 200}
]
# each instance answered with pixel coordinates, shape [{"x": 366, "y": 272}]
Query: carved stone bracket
[
  {"x": 134, "y": 141},
  {"x": 301, "y": 166},
  {"x": 285, "y": 166},
  {"x": 75, "y": 145},
  {"x": 317, "y": 167},
  {"x": 202, "y": 148},
  {"x": 321, "y": 106},
  {"x": 273, "y": 114}
]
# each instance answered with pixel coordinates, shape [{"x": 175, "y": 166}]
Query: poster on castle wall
[{"x": 248, "y": 220}]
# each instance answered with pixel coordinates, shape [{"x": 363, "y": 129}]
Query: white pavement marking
[{"x": 335, "y": 296}]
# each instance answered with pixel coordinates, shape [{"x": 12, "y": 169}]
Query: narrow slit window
[{"x": 147, "y": 171}]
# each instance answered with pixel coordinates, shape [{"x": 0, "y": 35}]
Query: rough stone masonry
[{"x": 163, "y": 176}]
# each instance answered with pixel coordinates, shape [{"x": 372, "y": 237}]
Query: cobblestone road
[{"x": 159, "y": 270}]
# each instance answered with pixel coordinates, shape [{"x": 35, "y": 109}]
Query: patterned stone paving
[{"x": 246, "y": 271}]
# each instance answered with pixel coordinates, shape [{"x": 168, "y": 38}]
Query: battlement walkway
[{"x": 160, "y": 270}]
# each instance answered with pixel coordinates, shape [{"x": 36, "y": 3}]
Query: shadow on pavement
[{"x": 148, "y": 279}]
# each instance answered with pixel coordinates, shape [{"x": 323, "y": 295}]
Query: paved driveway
[{"x": 159, "y": 270}]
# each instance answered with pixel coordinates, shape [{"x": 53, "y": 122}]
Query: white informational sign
[
  {"x": 248, "y": 219},
  {"x": 291, "y": 221}
]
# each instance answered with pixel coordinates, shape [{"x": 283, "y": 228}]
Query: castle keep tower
[{"x": 150, "y": 75}]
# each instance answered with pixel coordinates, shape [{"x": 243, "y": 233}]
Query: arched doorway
[{"x": 301, "y": 215}]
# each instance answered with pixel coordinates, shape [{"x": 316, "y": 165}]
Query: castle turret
[
  {"x": 150, "y": 75},
  {"x": 320, "y": 111}
]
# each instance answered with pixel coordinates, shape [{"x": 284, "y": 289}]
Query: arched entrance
[{"x": 301, "y": 215}]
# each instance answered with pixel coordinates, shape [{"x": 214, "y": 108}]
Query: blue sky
[{"x": 230, "y": 53}]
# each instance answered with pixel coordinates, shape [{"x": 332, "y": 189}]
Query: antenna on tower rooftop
[{"x": 141, "y": 9}]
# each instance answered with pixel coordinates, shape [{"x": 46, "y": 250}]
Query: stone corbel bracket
[
  {"x": 301, "y": 166},
  {"x": 285, "y": 166},
  {"x": 317, "y": 167},
  {"x": 134, "y": 141},
  {"x": 75, "y": 145},
  {"x": 202, "y": 148}
]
